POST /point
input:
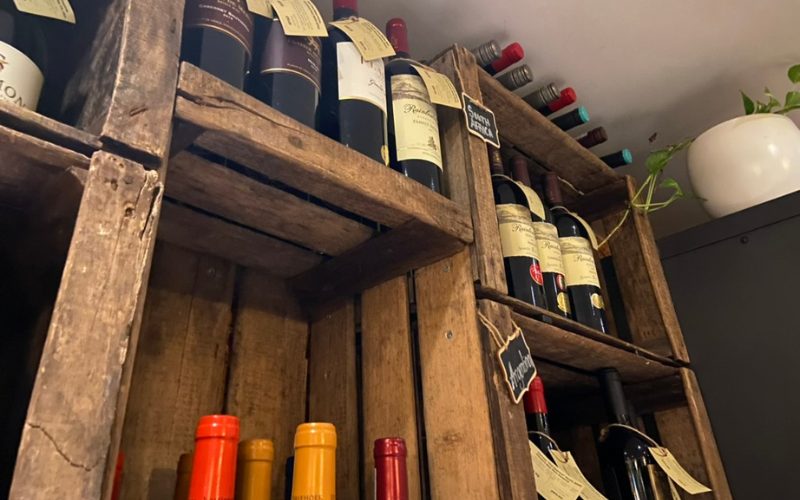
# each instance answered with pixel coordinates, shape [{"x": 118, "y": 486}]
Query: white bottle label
[
  {"x": 20, "y": 79},
  {"x": 579, "y": 266},
  {"x": 359, "y": 79},
  {"x": 416, "y": 127},
  {"x": 517, "y": 238}
]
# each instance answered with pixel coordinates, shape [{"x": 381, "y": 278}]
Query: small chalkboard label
[
  {"x": 517, "y": 362},
  {"x": 480, "y": 121}
]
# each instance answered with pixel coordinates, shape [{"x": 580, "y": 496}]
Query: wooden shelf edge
[{"x": 42, "y": 127}]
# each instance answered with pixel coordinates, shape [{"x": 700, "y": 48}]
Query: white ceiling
[{"x": 673, "y": 67}]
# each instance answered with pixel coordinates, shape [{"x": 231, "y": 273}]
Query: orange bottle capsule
[
  {"x": 254, "y": 470},
  {"x": 314, "y": 462},
  {"x": 184, "y": 479},
  {"x": 214, "y": 463}
]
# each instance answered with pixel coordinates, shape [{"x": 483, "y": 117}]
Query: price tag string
[
  {"x": 497, "y": 336},
  {"x": 553, "y": 441}
]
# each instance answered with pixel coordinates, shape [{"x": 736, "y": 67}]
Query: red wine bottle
[
  {"x": 593, "y": 137},
  {"x": 555, "y": 288},
  {"x": 391, "y": 474},
  {"x": 516, "y": 78},
  {"x": 512, "y": 54},
  {"x": 536, "y": 416},
  {"x": 618, "y": 159},
  {"x": 567, "y": 97},
  {"x": 286, "y": 71},
  {"x": 574, "y": 118},
  {"x": 218, "y": 37},
  {"x": 353, "y": 105},
  {"x": 22, "y": 57},
  {"x": 518, "y": 241},
  {"x": 486, "y": 53},
  {"x": 414, "y": 145},
  {"x": 629, "y": 471},
  {"x": 580, "y": 270},
  {"x": 542, "y": 96}
]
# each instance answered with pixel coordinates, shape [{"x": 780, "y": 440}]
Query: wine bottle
[
  {"x": 542, "y": 96},
  {"x": 580, "y": 270},
  {"x": 565, "y": 98},
  {"x": 254, "y": 470},
  {"x": 555, "y": 288},
  {"x": 314, "y": 462},
  {"x": 618, "y": 159},
  {"x": 517, "y": 239},
  {"x": 414, "y": 146},
  {"x": 22, "y": 57},
  {"x": 629, "y": 471},
  {"x": 516, "y": 78},
  {"x": 574, "y": 118},
  {"x": 536, "y": 416},
  {"x": 486, "y": 53},
  {"x": 352, "y": 107},
  {"x": 288, "y": 476},
  {"x": 511, "y": 54},
  {"x": 391, "y": 475},
  {"x": 218, "y": 37},
  {"x": 214, "y": 463},
  {"x": 286, "y": 71},
  {"x": 593, "y": 137},
  {"x": 183, "y": 480}
]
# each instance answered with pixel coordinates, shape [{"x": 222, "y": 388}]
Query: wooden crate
[{"x": 653, "y": 361}]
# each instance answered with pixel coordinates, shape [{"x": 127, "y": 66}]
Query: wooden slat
[
  {"x": 268, "y": 367},
  {"x": 333, "y": 391},
  {"x": 51, "y": 131},
  {"x": 40, "y": 150},
  {"x": 180, "y": 368},
  {"x": 607, "y": 200},
  {"x": 251, "y": 133},
  {"x": 67, "y": 433},
  {"x": 187, "y": 228},
  {"x": 387, "y": 372},
  {"x": 569, "y": 349},
  {"x": 468, "y": 170},
  {"x": 537, "y": 137},
  {"x": 387, "y": 256},
  {"x": 222, "y": 191},
  {"x": 457, "y": 423},
  {"x": 648, "y": 304},
  {"x": 530, "y": 311},
  {"x": 512, "y": 454}
]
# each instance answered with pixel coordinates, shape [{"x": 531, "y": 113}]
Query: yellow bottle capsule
[
  {"x": 254, "y": 470},
  {"x": 184, "y": 477},
  {"x": 314, "y": 462}
]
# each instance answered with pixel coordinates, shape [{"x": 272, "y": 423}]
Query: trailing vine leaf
[
  {"x": 670, "y": 183},
  {"x": 749, "y": 106},
  {"x": 657, "y": 160},
  {"x": 794, "y": 73}
]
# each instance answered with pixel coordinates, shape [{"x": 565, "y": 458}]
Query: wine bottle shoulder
[{"x": 507, "y": 191}]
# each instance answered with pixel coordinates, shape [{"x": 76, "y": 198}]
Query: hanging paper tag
[
  {"x": 566, "y": 463},
  {"x": 54, "y": 9},
  {"x": 551, "y": 482},
  {"x": 517, "y": 362},
  {"x": 368, "y": 39},
  {"x": 480, "y": 121},
  {"x": 260, "y": 7},
  {"x": 440, "y": 89},
  {"x": 676, "y": 472},
  {"x": 589, "y": 230},
  {"x": 534, "y": 202},
  {"x": 299, "y": 18}
]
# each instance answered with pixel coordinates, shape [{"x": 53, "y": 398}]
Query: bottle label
[
  {"x": 368, "y": 39},
  {"x": 359, "y": 79},
  {"x": 579, "y": 266},
  {"x": 260, "y": 8},
  {"x": 549, "y": 247},
  {"x": 54, "y": 9},
  {"x": 300, "y": 17},
  {"x": 552, "y": 482},
  {"x": 416, "y": 127},
  {"x": 676, "y": 472},
  {"x": 440, "y": 87},
  {"x": 228, "y": 16},
  {"x": 300, "y": 55},
  {"x": 20, "y": 79},
  {"x": 565, "y": 461},
  {"x": 516, "y": 231},
  {"x": 534, "y": 202}
]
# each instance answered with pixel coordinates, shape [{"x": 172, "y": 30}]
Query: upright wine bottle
[
  {"x": 254, "y": 470},
  {"x": 565, "y": 98},
  {"x": 629, "y": 471},
  {"x": 555, "y": 288},
  {"x": 314, "y": 462},
  {"x": 414, "y": 146},
  {"x": 574, "y": 118},
  {"x": 352, "y": 108},
  {"x": 22, "y": 57},
  {"x": 511, "y": 54},
  {"x": 517, "y": 239},
  {"x": 214, "y": 463},
  {"x": 580, "y": 270},
  {"x": 286, "y": 71},
  {"x": 536, "y": 416},
  {"x": 391, "y": 474},
  {"x": 593, "y": 137},
  {"x": 218, "y": 37}
]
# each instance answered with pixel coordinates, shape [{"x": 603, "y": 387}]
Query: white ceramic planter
[{"x": 745, "y": 161}]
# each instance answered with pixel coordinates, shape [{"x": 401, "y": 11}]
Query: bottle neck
[
  {"x": 495, "y": 161},
  {"x": 538, "y": 422},
  {"x": 616, "y": 404},
  {"x": 344, "y": 13}
]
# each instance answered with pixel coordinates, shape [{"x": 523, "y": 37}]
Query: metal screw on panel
[
  {"x": 744, "y": 240},
  {"x": 449, "y": 334}
]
